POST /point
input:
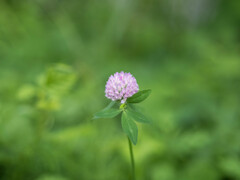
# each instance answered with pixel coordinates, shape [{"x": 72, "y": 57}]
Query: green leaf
[
  {"x": 110, "y": 105},
  {"x": 137, "y": 116},
  {"x": 139, "y": 97},
  {"x": 108, "y": 112},
  {"x": 129, "y": 127}
]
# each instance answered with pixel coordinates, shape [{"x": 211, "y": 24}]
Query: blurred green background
[{"x": 56, "y": 56}]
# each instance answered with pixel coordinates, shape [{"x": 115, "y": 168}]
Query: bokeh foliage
[{"x": 55, "y": 57}]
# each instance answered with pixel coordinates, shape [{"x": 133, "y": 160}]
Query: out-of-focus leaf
[
  {"x": 52, "y": 177},
  {"x": 58, "y": 79},
  {"x": 26, "y": 92}
]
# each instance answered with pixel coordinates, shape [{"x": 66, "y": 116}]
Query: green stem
[{"x": 132, "y": 159}]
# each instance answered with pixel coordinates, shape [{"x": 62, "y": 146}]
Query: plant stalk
[{"x": 132, "y": 159}]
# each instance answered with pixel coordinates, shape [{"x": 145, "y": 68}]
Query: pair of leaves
[
  {"x": 129, "y": 114},
  {"x": 128, "y": 123}
]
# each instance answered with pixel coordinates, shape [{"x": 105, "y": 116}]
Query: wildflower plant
[{"x": 122, "y": 88}]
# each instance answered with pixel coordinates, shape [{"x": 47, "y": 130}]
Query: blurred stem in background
[{"x": 132, "y": 159}]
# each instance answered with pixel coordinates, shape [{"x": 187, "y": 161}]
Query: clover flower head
[{"x": 121, "y": 86}]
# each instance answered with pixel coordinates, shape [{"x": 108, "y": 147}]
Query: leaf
[
  {"x": 108, "y": 112},
  {"x": 139, "y": 97},
  {"x": 111, "y": 104},
  {"x": 129, "y": 127},
  {"x": 137, "y": 116}
]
